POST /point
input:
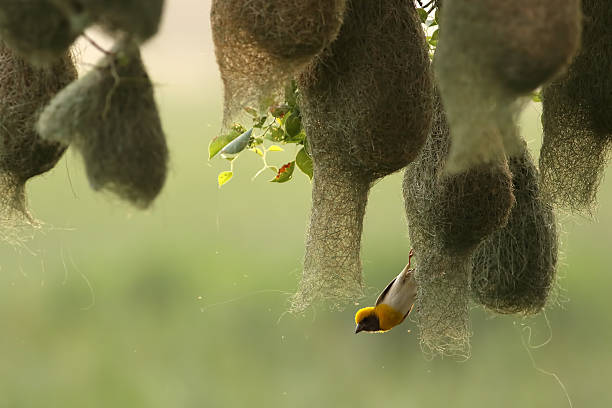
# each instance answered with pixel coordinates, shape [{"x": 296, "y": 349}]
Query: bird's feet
[{"x": 410, "y": 255}]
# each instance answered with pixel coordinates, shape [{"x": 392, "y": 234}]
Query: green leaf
[
  {"x": 306, "y": 144},
  {"x": 293, "y": 126},
  {"x": 279, "y": 111},
  {"x": 276, "y": 135},
  {"x": 224, "y": 177},
  {"x": 259, "y": 122},
  {"x": 291, "y": 93},
  {"x": 536, "y": 97},
  {"x": 422, "y": 15},
  {"x": 297, "y": 139},
  {"x": 237, "y": 145},
  {"x": 304, "y": 162},
  {"x": 219, "y": 142},
  {"x": 285, "y": 173},
  {"x": 435, "y": 35},
  {"x": 265, "y": 103}
]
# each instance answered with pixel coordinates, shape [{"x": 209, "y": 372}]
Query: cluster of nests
[
  {"x": 480, "y": 214},
  {"x": 109, "y": 115}
]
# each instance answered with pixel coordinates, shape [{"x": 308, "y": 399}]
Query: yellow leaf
[
  {"x": 224, "y": 177},
  {"x": 258, "y": 151},
  {"x": 275, "y": 148}
]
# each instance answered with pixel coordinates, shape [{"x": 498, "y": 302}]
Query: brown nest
[
  {"x": 491, "y": 53},
  {"x": 37, "y": 30},
  {"x": 111, "y": 118},
  {"x": 138, "y": 18},
  {"x": 366, "y": 103},
  {"x": 24, "y": 91},
  {"x": 261, "y": 44},
  {"x": 514, "y": 270},
  {"x": 448, "y": 217},
  {"x": 576, "y": 118}
]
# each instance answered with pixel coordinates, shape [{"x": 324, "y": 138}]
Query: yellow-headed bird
[{"x": 392, "y": 305}]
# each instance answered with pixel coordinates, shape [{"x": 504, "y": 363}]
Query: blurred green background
[{"x": 184, "y": 305}]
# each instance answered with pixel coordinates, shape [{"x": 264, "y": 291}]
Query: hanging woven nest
[
  {"x": 37, "y": 30},
  {"x": 111, "y": 118},
  {"x": 24, "y": 90},
  {"x": 514, "y": 270},
  {"x": 366, "y": 105},
  {"x": 448, "y": 217},
  {"x": 262, "y": 44},
  {"x": 576, "y": 117},
  {"x": 489, "y": 55}
]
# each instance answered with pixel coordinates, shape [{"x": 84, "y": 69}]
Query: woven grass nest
[
  {"x": 110, "y": 116},
  {"x": 357, "y": 135},
  {"x": 576, "y": 117},
  {"x": 24, "y": 90}
]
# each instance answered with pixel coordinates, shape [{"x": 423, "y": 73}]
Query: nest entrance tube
[
  {"x": 577, "y": 119},
  {"x": 442, "y": 306},
  {"x": 332, "y": 265},
  {"x": 448, "y": 217},
  {"x": 366, "y": 108}
]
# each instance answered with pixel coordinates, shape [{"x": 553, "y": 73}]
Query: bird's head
[{"x": 366, "y": 320}]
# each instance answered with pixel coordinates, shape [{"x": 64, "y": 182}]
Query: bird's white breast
[{"x": 402, "y": 294}]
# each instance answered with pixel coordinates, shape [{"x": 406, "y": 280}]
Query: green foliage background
[{"x": 190, "y": 297}]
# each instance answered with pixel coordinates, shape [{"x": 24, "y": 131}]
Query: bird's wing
[
  {"x": 404, "y": 274},
  {"x": 406, "y": 315},
  {"x": 384, "y": 292}
]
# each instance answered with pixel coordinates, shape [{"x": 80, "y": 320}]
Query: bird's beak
[{"x": 358, "y": 328}]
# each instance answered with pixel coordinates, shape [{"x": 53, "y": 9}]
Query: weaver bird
[{"x": 392, "y": 305}]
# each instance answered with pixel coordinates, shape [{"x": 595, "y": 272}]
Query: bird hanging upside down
[{"x": 392, "y": 305}]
